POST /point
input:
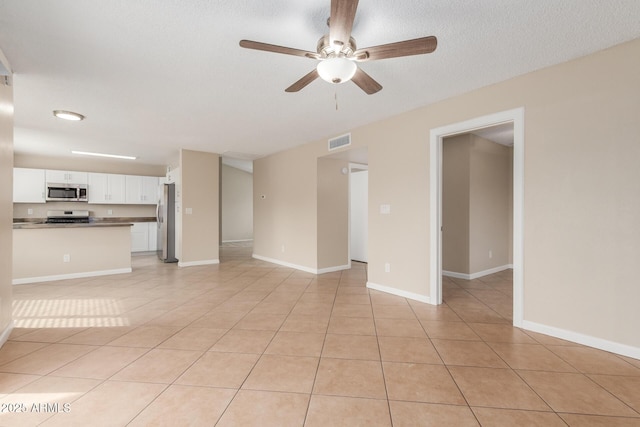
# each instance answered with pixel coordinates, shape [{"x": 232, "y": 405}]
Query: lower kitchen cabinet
[{"x": 144, "y": 237}]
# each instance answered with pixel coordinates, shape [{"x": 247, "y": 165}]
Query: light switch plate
[
  {"x": 188, "y": 211},
  {"x": 385, "y": 209}
]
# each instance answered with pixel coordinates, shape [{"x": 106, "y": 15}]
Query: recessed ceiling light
[
  {"x": 115, "y": 156},
  {"x": 68, "y": 115}
]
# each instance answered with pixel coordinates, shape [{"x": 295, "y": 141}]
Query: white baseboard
[
  {"x": 477, "y": 275},
  {"x": 70, "y": 276},
  {"x": 602, "y": 344},
  {"x": 399, "y": 292},
  {"x": 5, "y": 334},
  {"x": 237, "y": 241},
  {"x": 285, "y": 264},
  {"x": 197, "y": 263},
  {"x": 332, "y": 269},
  {"x": 301, "y": 267}
]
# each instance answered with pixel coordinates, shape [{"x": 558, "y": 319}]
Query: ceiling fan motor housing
[{"x": 326, "y": 50}]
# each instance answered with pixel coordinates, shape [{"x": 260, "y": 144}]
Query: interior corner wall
[
  {"x": 6, "y": 208},
  {"x": 236, "y": 204},
  {"x": 489, "y": 206},
  {"x": 199, "y": 187},
  {"x": 333, "y": 214},
  {"x": 285, "y": 208},
  {"x": 455, "y": 203}
]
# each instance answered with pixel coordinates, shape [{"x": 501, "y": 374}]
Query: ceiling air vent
[{"x": 340, "y": 141}]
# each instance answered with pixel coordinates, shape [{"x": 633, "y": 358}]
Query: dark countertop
[{"x": 39, "y": 223}]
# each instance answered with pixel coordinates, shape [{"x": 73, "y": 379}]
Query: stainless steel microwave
[{"x": 66, "y": 192}]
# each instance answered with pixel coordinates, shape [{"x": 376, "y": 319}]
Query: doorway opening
[
  {"x": 358, "y": 212},
  {"x": 516, "y": 117},
  {"x": 236, "y": 207}
]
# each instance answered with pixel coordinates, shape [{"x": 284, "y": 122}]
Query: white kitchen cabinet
[
  {"x": 141, "y": 190},
  {"x": 153, "y": 236},
  {"x": 28, "y": 185},
  {"x": 144, "y": 237},
  {"x": 106, "y": 188},
  {"x": 67, "y": 177},
  {"x": 140, "y": 237}
]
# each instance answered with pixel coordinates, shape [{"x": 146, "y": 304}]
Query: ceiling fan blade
[
  {"x": 343, "y": 12},
  {"x": 250, "y": 44},
  {"x": 395, "y": 50},
  {"x": 366, "y": 82},
  {"x": 304, "y": 81}
]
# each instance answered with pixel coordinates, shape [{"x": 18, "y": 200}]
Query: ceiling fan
[{"x": 337, "y": 52}]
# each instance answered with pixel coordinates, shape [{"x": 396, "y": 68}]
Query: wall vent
[{"x": 340, "y": 141}]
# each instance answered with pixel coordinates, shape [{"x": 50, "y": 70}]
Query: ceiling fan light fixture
[{"x": 336, "y": 70}]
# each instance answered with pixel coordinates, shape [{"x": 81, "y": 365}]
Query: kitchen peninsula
[{"x": 46, "y": 252}]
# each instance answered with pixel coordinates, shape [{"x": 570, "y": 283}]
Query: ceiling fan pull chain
[{"x": 335, "y": 96}]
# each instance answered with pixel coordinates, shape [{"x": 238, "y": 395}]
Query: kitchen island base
[{"x": 42, "y": 254}]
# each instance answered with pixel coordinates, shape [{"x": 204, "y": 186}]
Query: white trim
[
  {"x": 6, "y": 333},
  {"x": 478, "y": 274},
  {"x": 435, "y": 201},
  {"x": 237, "y": 241},
  {"x": 70, "y": 276},
  {"x": 588, "y": 340},
  {"x": 398, "y": 292},
  {"x": 285, "y": 264},
  {"x": 197, "y": 263},
  {"x": 332, "y": 269},
  {"x": 303, "y": 268}
]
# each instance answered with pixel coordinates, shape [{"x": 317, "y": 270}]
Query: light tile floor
[{"x": 247, "y": 343}]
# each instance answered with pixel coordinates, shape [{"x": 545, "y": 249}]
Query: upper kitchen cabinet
[
  {"x": 142, "y": 190},
  {"x": 107, "y": 188},
  {"x": 67, "y": 177},
  {"x": 28, "y": 185}
]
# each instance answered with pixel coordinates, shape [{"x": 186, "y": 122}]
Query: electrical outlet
[
  {"x": 282, "y": 248},
  {"x": 490, "y": 254},
  {"x": 109, "y": 211},
  {"x": 387, "y": 267},
  {"x": 29, "y": 211},
  {"x": 66, "y": 258},
  {"x": 188, "y": 211}
]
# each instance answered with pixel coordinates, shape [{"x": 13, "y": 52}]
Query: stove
[{"x": 67, "y": 217}]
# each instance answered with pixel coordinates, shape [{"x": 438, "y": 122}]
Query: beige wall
[
  {"x": 38, "y": 253},
  {"x": 87, "y": 164},
  {"x": 21, "y": 210},
  {"x": 476, "y": 204},
  {"x": 489, "y": 205},
  {"x": 6, "y": 202},
  {"x": 284, "y": 207},
  {"x": 200, "y": 188},
  {"x": 581, "y": 234},
  {"x": 236, "y": 204},
  {"x": 333, "y": 214},
  {"x": 455, "y": 203}
]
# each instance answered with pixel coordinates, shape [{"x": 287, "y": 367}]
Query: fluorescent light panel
[{"x": 115, "y": 156}]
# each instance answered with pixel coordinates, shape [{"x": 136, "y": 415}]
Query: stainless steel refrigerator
[{"x": 166, "y": 216}]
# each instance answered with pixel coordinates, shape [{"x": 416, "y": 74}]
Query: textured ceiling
[{"x": 153, "y": 77}]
